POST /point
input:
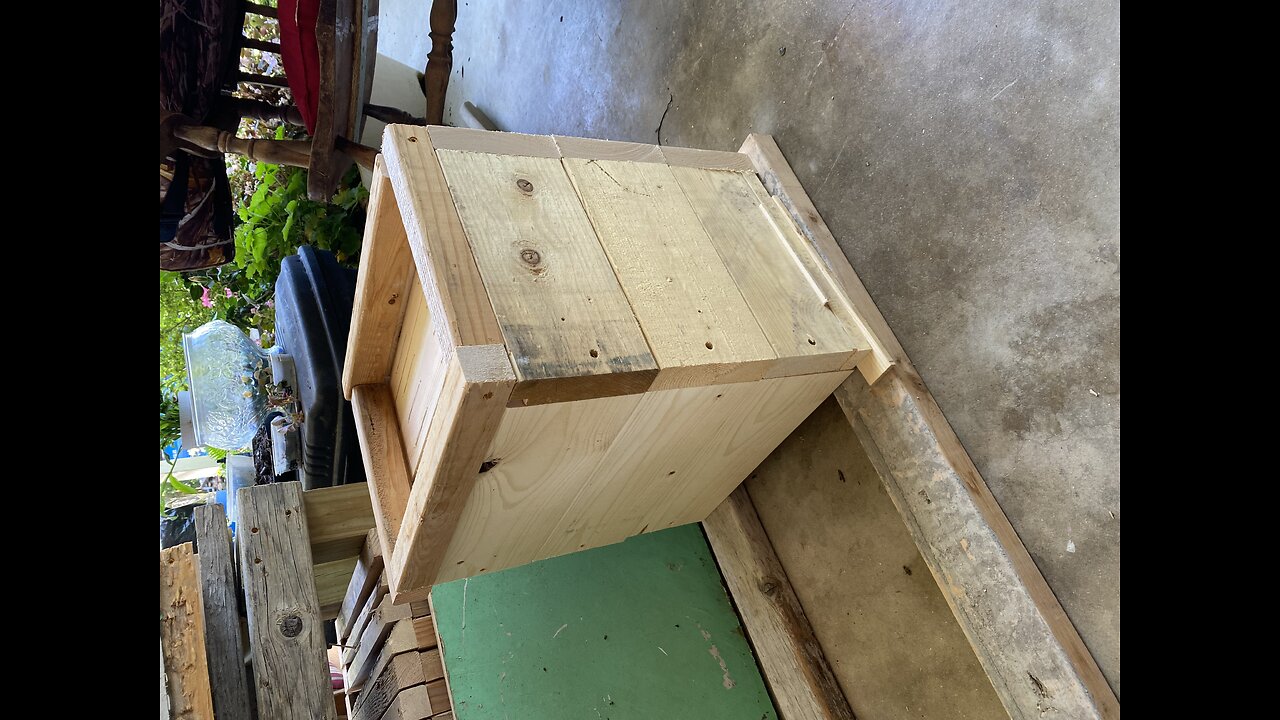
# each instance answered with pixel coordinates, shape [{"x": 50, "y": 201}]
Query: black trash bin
[{"x": 314, "y": 296}]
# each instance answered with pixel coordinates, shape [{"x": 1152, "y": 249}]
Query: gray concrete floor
[{"x": 966, "y": 155}]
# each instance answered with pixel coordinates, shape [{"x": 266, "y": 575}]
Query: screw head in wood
[
  {"x": 524, "y": 185},
  {"x": 530, "y": 256}
]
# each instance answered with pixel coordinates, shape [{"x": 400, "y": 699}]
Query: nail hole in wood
[
  {"x": 254, "y": 530},
  {"x": 812, "y": 341},
  {"x": 709, "y": 346},
  {"x": 594, "y": 353},
  {"x": 413, "y": 139}
]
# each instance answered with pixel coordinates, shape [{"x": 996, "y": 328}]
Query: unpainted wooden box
[{"x": 559, "y": 343}]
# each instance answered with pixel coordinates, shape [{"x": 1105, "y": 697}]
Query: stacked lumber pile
[
  {"x": 295, "y": 555},
  {"x": 391, "y": 663}
]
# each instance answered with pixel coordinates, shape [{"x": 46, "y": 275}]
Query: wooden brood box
[{"x": 558, "y": 343}]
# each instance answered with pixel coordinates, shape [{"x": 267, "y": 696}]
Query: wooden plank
[
  {"x": 838, "y": 302},
  {"x": 371, "y": 604},
  {"x": 338, "y": 519},
  {"x": 182, "y": 631},
  {"x": 488, "y": 141},
  {"x": 1023, "y": 638},
  {"x": 382, "y": 284},
  {"x": 411, "y": 704},
  {"x": 285, "y": 630},
  {"x": 382, "y": 449},
  {"x": 361, "y": 658},
  {"x": 711, "y": 438},
  {"x": 800, "y": 680},
  {"x": 365, "y": 578},
  {"x": 223, "y": 646},
  {"x": 417, "y": 376},
  {"x": 794, "y": 314},
  {"x": 707, "y": 159},
  {"x": 590, "y": 148},
  {"x": 331, "y": 581},
  {"x": 781, "y": 182},
  {"x": 462, "y": 430},
  {"x": 403, "y": 671},
  {"x": 447, "y": 273},
  {"x": 540, "y": 459},
  {"x": 565, "y": 321},
  {"x": 388, "y": 640},
  {"x": 438, "y": 693},
  {"x": 697, "y": 324}
]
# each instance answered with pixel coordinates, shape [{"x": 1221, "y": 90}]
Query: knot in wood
[
  {"x": 524, "y": 185},
  {"x": 530, "y": 256},
  {"x": 290, "y": 625},
  {"x": 768, "y": 586}
]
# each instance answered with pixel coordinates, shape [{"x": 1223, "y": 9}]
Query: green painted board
[{"x": 634, "y": 631}]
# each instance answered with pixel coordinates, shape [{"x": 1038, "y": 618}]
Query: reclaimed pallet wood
[
  {"x": 222, "y": 641},
  {"x": 584, "y": 317},
  {"x": 182, "y": 632},
  {"x": 285, "y": 628}
]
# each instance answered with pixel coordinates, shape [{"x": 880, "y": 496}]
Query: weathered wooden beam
[
  {"x": 1026, "y": 643},
  {"x": 221, "y": 615},
  {"x": 285, "y": 629},
  {"x": 799, "y": 678},
  {"x": 182, "y": 635}
]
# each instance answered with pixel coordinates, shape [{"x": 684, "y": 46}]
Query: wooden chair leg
[
  {"x": 444, "y": 13},
  {"x": 391, "y": 115},
  {"x": 363, "y": 155}
]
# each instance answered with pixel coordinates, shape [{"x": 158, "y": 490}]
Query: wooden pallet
[{"x": 559, "y": 343}]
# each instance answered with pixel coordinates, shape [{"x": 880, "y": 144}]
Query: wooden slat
[
  {"x": 403, "y": 671},
  {"x": 712, "y": 437},
  {"x": 566, "y": 322},
  {"x": 352, "y": 644},
  {"x": 382, "y": 286},
  {"x": 384, "y": 461},
  {"x": 417, "y": 376},
  {"x": 794, "y": 314},
  {"x": 498, "y": 143},
  {"x": 285, "y": 630},
  {"x": 454, "y": 291},
  {"x": 839, "y": 303},
  {"x": 223, "y": 646},
  {"x": 800, "y": 680},
  {"x": 388, "y": 639},
  {"x": 182, "y": 632},
  {"x": 1023, "y": 638},
  {"x": 706, "y": 159},
  {"x": 697, "y": 324},
  {"x": 331, "y": 580},
  {"x": 381, "y": 624},
  {"x": 366, "y": 576},
  {"x": 576, "y": 147},
  {"x": 461, "y": 432},
  {"x": 411, "y": 704},
  {"x": 338, "y": 518},
  {"x": 781, "y": 182},
  {"x": 543, "y": 455}
]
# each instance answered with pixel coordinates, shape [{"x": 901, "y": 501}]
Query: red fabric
[{"x": 301, "y": 55}]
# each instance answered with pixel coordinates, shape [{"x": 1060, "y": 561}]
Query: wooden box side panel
[{"x": 540, "y": 459}]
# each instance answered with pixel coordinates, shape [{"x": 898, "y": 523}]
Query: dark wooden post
[{"x": 440, "y": 60}]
